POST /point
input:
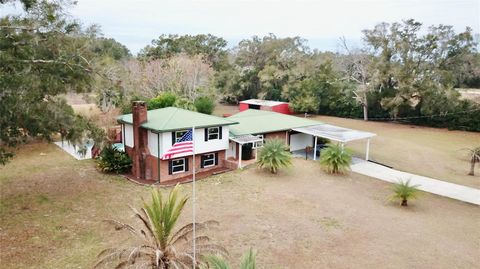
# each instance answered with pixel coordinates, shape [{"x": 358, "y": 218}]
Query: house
[
  {"x": 220, "y": 143},
  {"x": 267, "y": 105},
  {"x": 148, "y": 135},
  {"x": 255, "y": 126}
]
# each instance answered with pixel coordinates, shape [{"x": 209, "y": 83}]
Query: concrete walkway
[{"x": 454, "y": 191}]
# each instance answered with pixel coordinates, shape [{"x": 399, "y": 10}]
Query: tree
[
  {"x": 414, "y": 71},
  {"x": 218, "y": 262},
  {"x": 274, "y": 155},
  {"x": 356, "y": 66},
  {"x": 42, "y": 54},
  {"x": 159, "y": 245},
  {"x": 403, "y": 192},
  {"x": 474, "y": 156},
  {"x": 210, "y": 47},
  {"x": 335, "y": 159},
  {"x": 260, "y": 67},
  {"x": 204, "y": 105}
]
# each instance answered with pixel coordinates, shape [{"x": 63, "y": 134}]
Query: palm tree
[
  {"x": 218, "y": 262},
  {"x": 159, "y": 246},
  {"x": 474, "y": 155},
  {"x": 274, "y": 155},
  {"x": 335, "y": 159},
  {"x": 403, "y": 192}
]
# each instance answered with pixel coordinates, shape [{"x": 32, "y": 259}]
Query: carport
[{"x": 335, "y": 133}]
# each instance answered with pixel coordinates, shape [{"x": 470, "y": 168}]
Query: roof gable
[{"x": 174, "y": 118}]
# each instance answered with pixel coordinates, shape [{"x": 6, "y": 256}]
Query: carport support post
[
  {"x": 368, "y": 149},
  {"x": 315, "y": 149},
  {"x": 240, "y": 156}
]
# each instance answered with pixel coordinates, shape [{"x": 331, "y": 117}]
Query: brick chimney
[{"x": 140, "y": 139}]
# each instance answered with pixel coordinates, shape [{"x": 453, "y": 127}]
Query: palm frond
[
  {"x": 186, "y": 231},
  {"x": 161, "y": 246},
  {"x": 335, "y": 159},
  {"x": 404, "y": 191},
  {"x": 248, "y": 260},
  {"x": 274, "y": 155},
  {"x": 215, "y": 262}
]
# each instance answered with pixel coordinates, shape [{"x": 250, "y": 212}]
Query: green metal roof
[
  {"x": 253, "y": 121},
  {"x": 174, "y": 118}
]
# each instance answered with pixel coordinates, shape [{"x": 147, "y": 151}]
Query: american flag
[{"x": 185, "y": 144}]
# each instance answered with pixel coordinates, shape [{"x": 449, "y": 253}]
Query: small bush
[
  {"x": 204, "y": 105},
  {"x": 274, "y": 155},
  {"x": 403, "y": 191},
  {"x": 112, "y": 160},
  {"x": 165, "y": 99},
  {"x": 335, "y": 159}
]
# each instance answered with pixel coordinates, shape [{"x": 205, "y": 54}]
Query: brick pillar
[{"x": 140, "y": 139}]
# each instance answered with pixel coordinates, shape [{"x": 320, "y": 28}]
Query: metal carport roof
[{"x": 335, "y": 133}]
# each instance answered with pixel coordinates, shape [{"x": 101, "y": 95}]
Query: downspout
[
  {"x": 158, "y": 157},
  {"x": 123, "y": 134}
]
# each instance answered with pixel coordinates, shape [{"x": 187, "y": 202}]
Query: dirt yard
[{"x": 52, "y": 208}]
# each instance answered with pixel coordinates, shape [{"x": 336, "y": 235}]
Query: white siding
[
  {"x": 152, "y": 143},
  {"x": 232, "y": 150},
  {"x": 300, "y": 141},
  {"x": 129, "y": 135}
]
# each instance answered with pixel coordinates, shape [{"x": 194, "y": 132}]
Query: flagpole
[{"x": 194, "y": 200}]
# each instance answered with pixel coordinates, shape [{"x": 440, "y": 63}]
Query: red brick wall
[
  {"x": 279, "y": 135},
  {"x": 152, "y": 165}
]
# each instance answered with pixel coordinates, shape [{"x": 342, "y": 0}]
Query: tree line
[{"x": 402, "y": 72}]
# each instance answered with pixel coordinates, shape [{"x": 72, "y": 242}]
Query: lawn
[
  {"x": 431, "y": 152},
  {"x": 52, "y": 208}
]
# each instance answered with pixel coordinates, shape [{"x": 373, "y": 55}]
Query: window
[
  {"x": 179, "y": 135},
  {"x": 178, "y": 165},
  {"x": 259, "y": 144},
  {"x": 208, "y": 160},
  {"x": 213, "y": 133}
]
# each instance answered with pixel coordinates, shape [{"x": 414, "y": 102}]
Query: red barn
[{"x": 275, "y": 106}]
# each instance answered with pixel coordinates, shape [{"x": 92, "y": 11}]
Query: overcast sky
[{"x": 136, "y": 23}]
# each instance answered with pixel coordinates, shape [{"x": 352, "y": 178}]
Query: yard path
[{"x": 439, "y": 187}]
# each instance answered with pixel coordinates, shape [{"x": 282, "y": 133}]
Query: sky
[{"x": 322, "y": 22}]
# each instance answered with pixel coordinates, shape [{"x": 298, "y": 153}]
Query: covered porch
[
  {"x": 236, "y": 153},
  {"x": 332, "y": 133}
]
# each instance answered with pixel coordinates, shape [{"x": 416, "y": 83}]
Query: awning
[
  {"x": 245, "y": 139},
  {"x": 334, "y": 133}
]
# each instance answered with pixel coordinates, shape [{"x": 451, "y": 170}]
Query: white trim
[
  {"x": 177, "y": 159},
  {"x": 179, "y": 131},
  {"x": 213, "y": 159},
  {"x": 217, "y": 133}
]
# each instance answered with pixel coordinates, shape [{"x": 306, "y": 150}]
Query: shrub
[
  {"x": 403, "y": 192},
  {"x": 165, "y": 99},
  {"x": 204, "y": 105},
  {"x": 113, "y": 160},
  {"x": 185, "y": 103},
  {"x": 335, "y": 159},
  {"x": 274, "y": 155}
]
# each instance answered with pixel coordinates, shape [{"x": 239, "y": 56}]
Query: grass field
[{"x": 52, "y": 208}]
